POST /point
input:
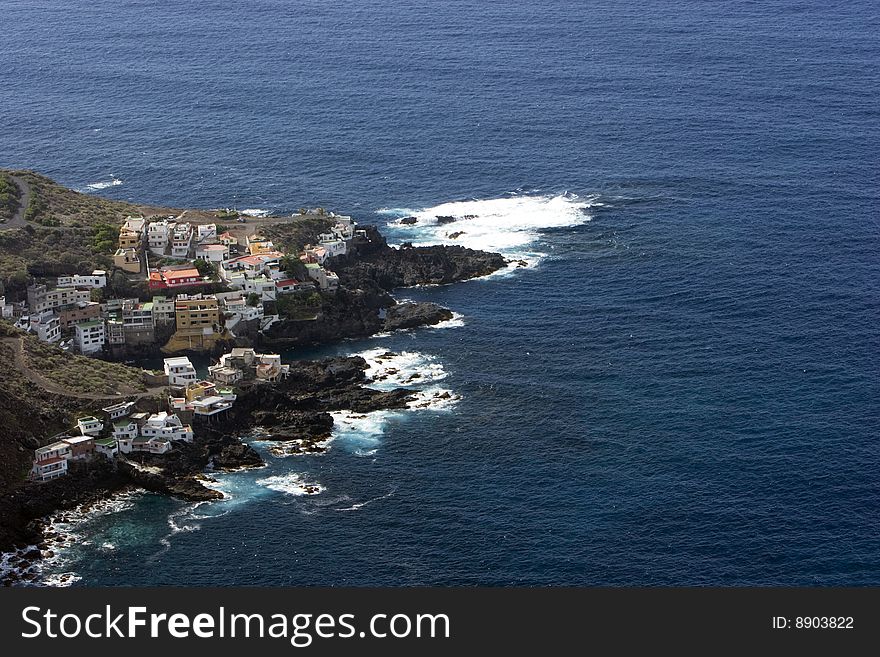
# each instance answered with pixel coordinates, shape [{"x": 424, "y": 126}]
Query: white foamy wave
[
  {"x": 61, "y": 580},
  {"x": 254, "y": 212},
  {"x": 507, "y": 225},
  {"x": 63, "y": 531},
  {"x": 387, "y": 370},
  {"x": 435, "y": 398},
  {"x": 292, "y": 483},
  {"x": 455, "y": 321},
  {"x": 297, "y": 447},
  {"x": 361, "y": 433},
  {"x": 104, "y": 184}
]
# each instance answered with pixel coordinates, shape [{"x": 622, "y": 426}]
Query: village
[
  {"x": 75, "y": 314},
  {"x": 191, "y": 402}
]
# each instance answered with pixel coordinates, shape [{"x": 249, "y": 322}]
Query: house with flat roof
[
  {"x": 106, "y": 447},
  {"x": 117, "y": 411},
  {"x": 41, "y": 298},
  {"x": 89, "y": 337},
  {"x": 81, "y": 311},
  {"x": 81, "y": 447},
  {"x": 180, "y": 371},
  {"x": 151, "y": 445},
  {"x": 214, "y": 253},
  {"x": 46, "y": 326},
  {"x": 167, "y": 427},
  {"x": 90, "y": 426},
  {"x": 126, "y": 428},
  {"x": 163, "y": 310},
  {"x": 51, "y": 461},
  {"x": 197, "y": 313},
  {"x": 97, "y": 279},
  {"x": 206, "y": 233},
  {"x": 127, "y": 259}
]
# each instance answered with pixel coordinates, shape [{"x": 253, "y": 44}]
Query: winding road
[{"x": 20, "y": 362}]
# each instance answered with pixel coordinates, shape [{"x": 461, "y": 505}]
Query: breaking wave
[
  {"x": 509, "y": 225},
  {"x": 103, "y": 184},
  {"x": 291, "y": 483}
]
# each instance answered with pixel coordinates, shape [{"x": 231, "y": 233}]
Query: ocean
[{"x": 681, "y": 388}]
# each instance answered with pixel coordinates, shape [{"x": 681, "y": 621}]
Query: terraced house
[{"x": 197, "y": 313}]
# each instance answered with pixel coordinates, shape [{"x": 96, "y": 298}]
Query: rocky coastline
[{"x": 295, "y": 412}]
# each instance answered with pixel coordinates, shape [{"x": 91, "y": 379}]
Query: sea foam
[
  {"x": 254, "y": 212},
  {"x": 509, "y": 225},
  {"x": 104, "y": 184},
  {"x": 291, "y": 483}
]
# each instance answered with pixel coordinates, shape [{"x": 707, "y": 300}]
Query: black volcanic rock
[
  {"x": 410, "y": 315},
  {"x": 445, "y": 220},
  {"x": 373, "y": 264},
  {"x": 295, "y": 424},
  {"x": 409, "y": 221},
  {"x": 232, "y": 457}
]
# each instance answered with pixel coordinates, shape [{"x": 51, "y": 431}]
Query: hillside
[
  {"x": 48, "y": 230},
  {"x": 42, "y": 397},
  {"x": 60, "y": 231}
]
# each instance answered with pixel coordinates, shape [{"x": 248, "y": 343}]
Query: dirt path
[
  {"x": 18, "y": 220},
  {"x": 38, "y": 379}
]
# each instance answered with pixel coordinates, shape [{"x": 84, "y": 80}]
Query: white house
[
  {"x": 47, "y": 326},
  {"x": 334, "y": 246},
  {"x": 224, "y": 374},
  {"x": 326, "y": 280},
  {"x": 215, "y": 253},
  {"x": 89, "y": 426},
  {"x": 158, "y": 235},
  {"x": 270, "y": 367},
  {"x": 207, "y": 233},
  {"x": 97, "y": 279},
  {"x": 239, "y": 308},
  {"x": 107, "y": 446},
  {"x": 51, "y": 461},
  {"x": 89, "y": 337},
  {"x": 181, "y": 239},
  {"x": 163, "y": 310},
  {"x": 167, "y": 427},
  {"x": 180, "y": 371},
  {"x": 207, "y": 407},
  {"x": 117, "y": 411},
  {"x": 49, "y": 469},
  {"x": 125, "y": 429},
  {"x": 152, "y": 445}
]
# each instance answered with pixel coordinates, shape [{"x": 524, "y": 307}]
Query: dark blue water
[{"x": 682, "y": 390}]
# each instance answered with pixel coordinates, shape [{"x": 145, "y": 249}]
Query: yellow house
[
  {"x": 257, "y": 245},
  {"x": 196, "y": 313},
  {"x": 127, "y": 260},
  {"x": 200, "y": 389},
  {"x": 129, "y": 239}
]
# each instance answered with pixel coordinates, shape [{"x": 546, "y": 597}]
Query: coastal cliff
[
  {"x": 295, "y": 411},
  {"x": 373, "y": 263}
]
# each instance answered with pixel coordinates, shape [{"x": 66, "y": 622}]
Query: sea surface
[{"x": 682, "y": 385}]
